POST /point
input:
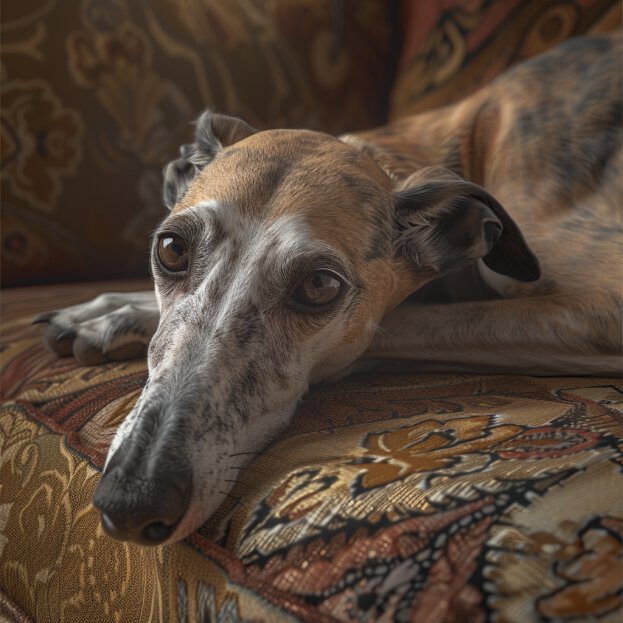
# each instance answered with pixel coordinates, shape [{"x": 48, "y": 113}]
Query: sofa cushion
[
  {"x": 98, "y": 95},
  {"x": 389, "y": 498},
  {"x": 452, "y": 48}
]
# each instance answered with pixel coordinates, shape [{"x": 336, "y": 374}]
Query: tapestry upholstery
[
  {"x": 402, "y": 497},
  {"x": 97, "y": 95},
  {"x": 390, "y": 497},
  {"x": 451, "y": 48}
]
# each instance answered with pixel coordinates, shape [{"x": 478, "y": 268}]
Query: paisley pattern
[
  {"x": 389, "y": 498},
  {"x": 452, "y": 48}
]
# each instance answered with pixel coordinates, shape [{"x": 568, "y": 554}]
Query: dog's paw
[{"x": 111, "y": 327}]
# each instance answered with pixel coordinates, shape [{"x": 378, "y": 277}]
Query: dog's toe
[
  {"x": 88, "y": 353},
  {"x": 44, "y": 318},
  {"x": 59, "y": 340},
  {"x": 111, "y": 327}
]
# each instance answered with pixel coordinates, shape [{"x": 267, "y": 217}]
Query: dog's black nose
[{"x": 139, "y": 509}]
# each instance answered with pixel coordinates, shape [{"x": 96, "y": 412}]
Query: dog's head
[{"x": 282, "y": 252}]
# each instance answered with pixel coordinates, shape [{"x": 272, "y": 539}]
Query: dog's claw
[
  {"x": 67, "y": 334},
  {"x": 44, "y": 318}
]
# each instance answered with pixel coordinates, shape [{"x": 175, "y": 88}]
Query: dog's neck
[{"x": 444, "y": 138}]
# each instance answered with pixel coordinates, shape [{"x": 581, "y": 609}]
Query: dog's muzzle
[{"x": 143, "y": 495}]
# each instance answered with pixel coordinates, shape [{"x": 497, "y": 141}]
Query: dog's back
[
  {"x": 557, "y": 164},
  {"x": 546, "y": 139}
]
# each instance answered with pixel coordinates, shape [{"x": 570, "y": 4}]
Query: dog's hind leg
[
  {"x": 113, "y": 326},
  {"x": 546, "y": 335}
]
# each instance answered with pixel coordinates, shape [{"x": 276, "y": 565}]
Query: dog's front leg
[
  {"x": 548, "y": 335},
  {"x": 110, "y": 327}
]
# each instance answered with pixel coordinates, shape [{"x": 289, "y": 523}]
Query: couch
[{"x": 390, "y": 497}]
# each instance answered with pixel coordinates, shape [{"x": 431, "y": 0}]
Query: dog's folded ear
[
  {"x": 445, "y": 223},
  {"x": 212, "y": 132}
]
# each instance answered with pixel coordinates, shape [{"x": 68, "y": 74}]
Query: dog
[{"x": 290, "y": 257}]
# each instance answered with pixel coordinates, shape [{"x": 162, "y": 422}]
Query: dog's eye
[
  {"x": 317, "y": 289},
  {"x": 173, "y": 252}
]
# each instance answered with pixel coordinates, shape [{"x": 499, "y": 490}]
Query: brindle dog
[{"x": 291, "y": 257}]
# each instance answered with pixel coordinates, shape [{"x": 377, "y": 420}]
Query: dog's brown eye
[
  {"x": 317, "y": 289},
  {"x": 173, "y": 253}
]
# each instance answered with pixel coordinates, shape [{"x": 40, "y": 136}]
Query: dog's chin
[{"x": 192, "y": 520}]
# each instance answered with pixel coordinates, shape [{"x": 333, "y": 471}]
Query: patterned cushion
[
  {"x": 452, "y": 48},
  {"x": 390, "y": 498},
  {"x": 97, "y": 96}
]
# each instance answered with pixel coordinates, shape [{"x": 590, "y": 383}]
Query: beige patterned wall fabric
[{"x": 97, "y": 95}]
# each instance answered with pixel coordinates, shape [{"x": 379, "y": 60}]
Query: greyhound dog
[{"x": 291, "y": 257}]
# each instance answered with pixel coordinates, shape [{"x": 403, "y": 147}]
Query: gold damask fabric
[
  {"x": 97, "y": 95},
  {"x": 451, "y": 48},
  {"x": 399, "y": 497}
]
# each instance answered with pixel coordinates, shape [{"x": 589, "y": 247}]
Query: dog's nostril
[
  {"x": 156, "y": 532},
  {"x": 108, "y": 523},
  {"x": 153, "y": 533}
]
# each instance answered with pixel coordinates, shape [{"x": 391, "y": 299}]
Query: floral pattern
[
  {"x": 41, "y": 142},
  {"x": 113, "y": 57},
  {"x": 389, "y": 498},
  {"x": 431, "y": 446},
  {"x": 98, "y": 98}
]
